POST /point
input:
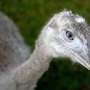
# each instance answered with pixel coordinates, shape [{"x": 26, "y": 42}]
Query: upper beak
[{"x": 83, "y": 59}]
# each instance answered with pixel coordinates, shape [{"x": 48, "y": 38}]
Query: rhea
[{"x": 65, "y": 35}]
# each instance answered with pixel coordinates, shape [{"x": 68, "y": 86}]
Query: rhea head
[{"x": 65, "y": 35}]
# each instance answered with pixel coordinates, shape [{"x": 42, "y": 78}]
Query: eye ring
[{"x": 69, "y": 35}]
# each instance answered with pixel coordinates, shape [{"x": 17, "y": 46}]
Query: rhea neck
[{"x": 34, "y": 67}]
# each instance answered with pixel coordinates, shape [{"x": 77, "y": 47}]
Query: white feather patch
[{"x": 80, "y": 19}]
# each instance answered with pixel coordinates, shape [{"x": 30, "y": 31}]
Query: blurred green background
[{"x": 30, "y": 16}]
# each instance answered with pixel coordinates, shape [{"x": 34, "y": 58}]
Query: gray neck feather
[{"x": 27, "y": 75}]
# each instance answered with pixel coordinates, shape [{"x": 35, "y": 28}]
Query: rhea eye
[{"x": 69, "y": 35}]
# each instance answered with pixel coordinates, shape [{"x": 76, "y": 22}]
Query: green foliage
[{"x": 30, "y": 16}]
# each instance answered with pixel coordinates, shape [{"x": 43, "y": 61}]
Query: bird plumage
[
  {"x": 13, "y": 50},
  {"x": 65, "y": 35}
]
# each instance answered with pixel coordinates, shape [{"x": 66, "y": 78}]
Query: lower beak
[{"x": 83, "y": 60}]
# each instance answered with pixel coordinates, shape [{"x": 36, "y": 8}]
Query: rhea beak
[{"x": 83, "y": 59}]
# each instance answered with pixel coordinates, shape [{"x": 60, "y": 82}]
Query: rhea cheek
[{"x": 76, "y": 44}]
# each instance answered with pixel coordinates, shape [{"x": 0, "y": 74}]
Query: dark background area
[{"x": 30, "y": 16}]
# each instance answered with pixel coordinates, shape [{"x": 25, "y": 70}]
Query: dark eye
[{"x": 69, "y": 35}]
